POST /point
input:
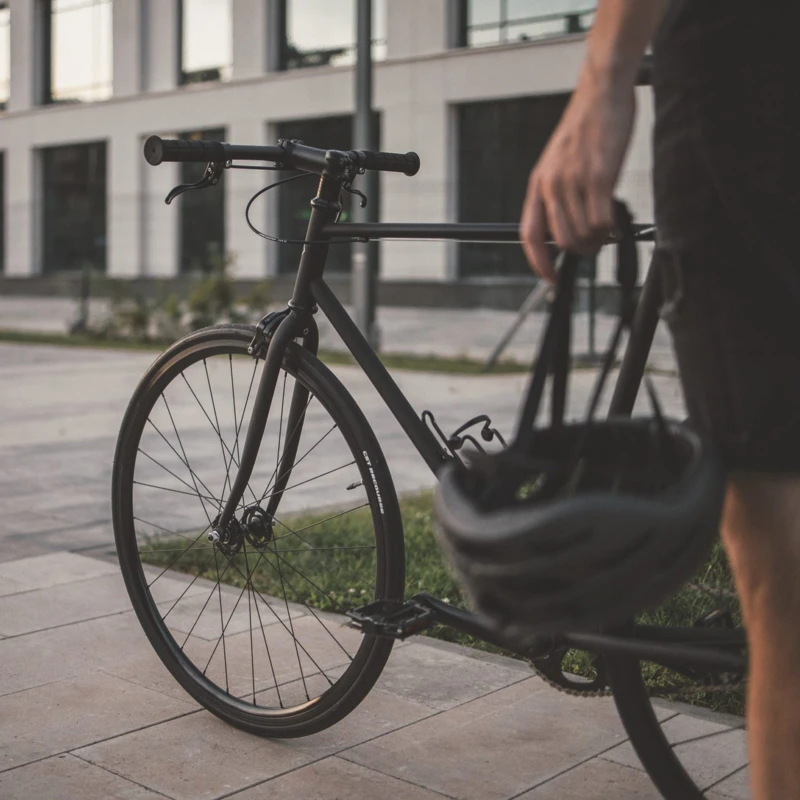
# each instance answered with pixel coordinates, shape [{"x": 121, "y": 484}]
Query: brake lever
[{"x": 213, "y": 173}]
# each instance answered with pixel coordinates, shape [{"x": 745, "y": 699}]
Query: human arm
[{"x": 570, "y": 190}]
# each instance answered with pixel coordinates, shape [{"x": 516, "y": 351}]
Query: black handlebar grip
[
  {"x": 407, "y": 163},
  {"x": 157, "y": 150}
]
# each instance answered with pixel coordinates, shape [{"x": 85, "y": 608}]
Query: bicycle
[{"x": 313, "y": 670}]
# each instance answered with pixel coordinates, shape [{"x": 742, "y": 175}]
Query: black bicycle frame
[{"x": 709, "y": 649}]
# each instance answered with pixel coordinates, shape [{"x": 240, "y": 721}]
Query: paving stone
[
  {"x": 498, "y": 745},
  {"x": 708, "y": 751},
  {"x": 67, "y": 776},
  {"x": 334, "y": 779},
  {"x": 442, "y": 679},
  {"x": 736, "y": 786},
  {"x": 596, "y": 780},
  {"x": 51, "y": 655},
  {"x": 201, "y": 757},
  {"x": 9, "y": 585},
  {"x": 54, "y": 569},
  {"x": 73, "y": 713},
  {"x": 73, "y": 602}
]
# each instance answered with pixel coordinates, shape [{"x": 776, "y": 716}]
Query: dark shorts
[{"x": 727, "y": 201}]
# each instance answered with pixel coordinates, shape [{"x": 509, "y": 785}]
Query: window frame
[
  {"x": 45, "y": 26},
  {"x": 182, "y": 73},
  {"x": 280, "y": 18},
  {"x": 460, "y": 27},
  {"x": 4, "y": 6}
]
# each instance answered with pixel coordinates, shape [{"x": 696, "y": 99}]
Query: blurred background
[{"x": 474, "y": 86}]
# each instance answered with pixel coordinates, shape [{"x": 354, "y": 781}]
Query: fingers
[{"x": 533, "y": 232}]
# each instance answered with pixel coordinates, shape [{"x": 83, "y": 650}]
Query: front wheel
[{"x": 252, "y": 626}]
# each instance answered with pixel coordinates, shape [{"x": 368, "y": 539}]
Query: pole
[{"x": 365, "y": 255}]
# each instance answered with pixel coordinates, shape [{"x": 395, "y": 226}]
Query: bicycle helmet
[{"x": 580, "y": 525}]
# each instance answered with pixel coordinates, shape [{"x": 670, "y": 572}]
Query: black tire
[
  {"x": 642, "y": 726},
  {"x": 626, "y": 678},
  {"x": 343, "y": 687}
]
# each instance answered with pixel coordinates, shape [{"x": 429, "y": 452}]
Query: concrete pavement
[{"x": 87, "y": 710}]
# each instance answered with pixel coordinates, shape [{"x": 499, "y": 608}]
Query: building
[{"x": 474, "y": 86}]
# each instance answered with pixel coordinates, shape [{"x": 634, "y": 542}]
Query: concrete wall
[{"x": 416, "y": 90}]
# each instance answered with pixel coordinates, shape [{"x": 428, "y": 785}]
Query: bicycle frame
[{"x": 673, "y": 647}]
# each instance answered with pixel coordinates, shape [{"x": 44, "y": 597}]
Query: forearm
[{"x": 619, "y": 37}]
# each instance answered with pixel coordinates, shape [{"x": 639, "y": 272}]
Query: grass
[
  {"x": 406, "y": 361},
  {"x": 427, "y": 571}
]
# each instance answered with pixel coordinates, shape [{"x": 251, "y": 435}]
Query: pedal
[{"x": 391, "y": 619}]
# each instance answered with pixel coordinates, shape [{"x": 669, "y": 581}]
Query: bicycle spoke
[
  {"x": 309, "y": 480},
  {"x": 183, "y": 450},
  {"x": 305, "y": 541},
  {"x": 224, "y": 653},
  {"x": 313, "y": 613},
  {"x": 211, "y": 423},
  {"x": 183, "y": 593},
  {"x": 222, "y": 445},
  {"x": 193, "y": 474},
  {"x": 166, "y": 469},
  {"x": 250, "y": 617},
  {"x": 176, "y": 491},
  {"x": 205, "y": 605},
  {"x": 291, "y": 626},
  {"x": 319, "y": 522},
  {"x": 178, "y": 558},
  {"x": 297, "y": 429}
]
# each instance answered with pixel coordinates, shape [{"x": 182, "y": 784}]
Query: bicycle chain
[{"x": 662, "y": 691}]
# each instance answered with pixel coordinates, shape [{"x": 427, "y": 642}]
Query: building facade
[{"x": 473, "y": 86}]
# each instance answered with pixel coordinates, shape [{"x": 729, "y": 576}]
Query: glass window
[
  {"x": 202, "y": 214},
  {"x": 294, "y": 203},
  {"x": 80, "y": 50},
  {"x": 496, "y": 21},
  {"x": 498, "y": 142},
  {"x": 74, "y": 213},
  {"x": 206, "y": 40},
  {"x": 323, "y": 32},
  {"x": 5, "y": 54}
]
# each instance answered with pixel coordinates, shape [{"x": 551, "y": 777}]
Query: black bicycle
[{"x": 240, "y": 458}]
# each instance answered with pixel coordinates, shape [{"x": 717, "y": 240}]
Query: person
[{"x": 726, "y": 201}]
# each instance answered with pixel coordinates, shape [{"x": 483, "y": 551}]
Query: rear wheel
[
  {"x": 688, "y": 754},
  {"x": 252, "y": 626}
]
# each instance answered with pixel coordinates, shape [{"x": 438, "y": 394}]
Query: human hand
[{"x": 571, "y": 188}]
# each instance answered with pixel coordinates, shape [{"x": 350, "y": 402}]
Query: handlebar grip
[
  {"x": 407, "y": 163},
  {"x": 157, "y": 150}
]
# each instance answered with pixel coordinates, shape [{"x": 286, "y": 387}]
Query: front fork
[{"x": 296, "y": 322}]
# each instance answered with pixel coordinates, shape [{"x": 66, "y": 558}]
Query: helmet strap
[{"x": 553, "y": 356}]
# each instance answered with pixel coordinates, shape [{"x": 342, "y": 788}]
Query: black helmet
[{"x": 577, "y": 526}]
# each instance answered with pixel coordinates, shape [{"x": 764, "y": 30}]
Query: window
[
  {"x": 5, "y": 54},
  {"x": 498, "y": 142},
  {"x": 80, "y": 41},
  {"x": 323, "y": 32},
  {"x": 486, "y": 22},
  {"x": 206, "y": 40},
  {"x": 294, "y": 204},
  {"x": 202, "y": 214},
  {"x": 74, "y": 213}
]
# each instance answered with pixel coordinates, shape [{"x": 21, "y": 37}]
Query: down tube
[{"x": 395, "y": 400}]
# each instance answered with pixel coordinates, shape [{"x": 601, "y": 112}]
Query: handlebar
[{"x": 291, "y": 155}]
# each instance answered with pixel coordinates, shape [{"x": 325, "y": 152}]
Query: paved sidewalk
[{"x": 88, "y": 711}]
